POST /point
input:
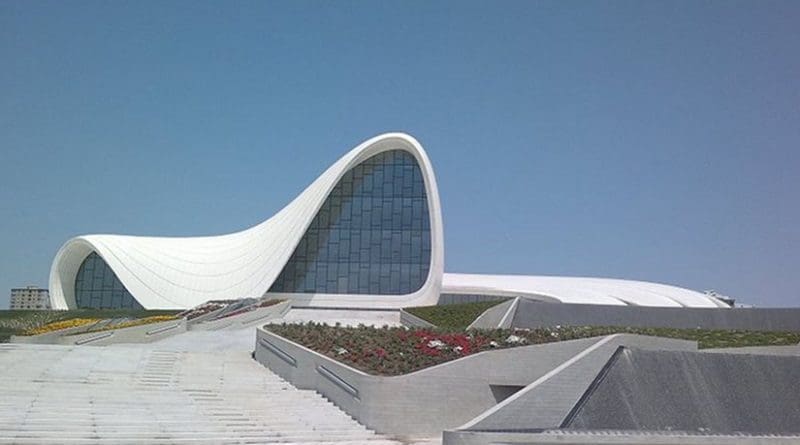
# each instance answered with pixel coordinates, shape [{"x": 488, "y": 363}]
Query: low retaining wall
[
  {"x": 449, "y": 298},
  {"x": 553, "y": 396},
  {"x": 246, "y": 319},
  {"x": 720, "y": 393},
  {"x": 532, "y": 314},
  {"x": 499, "y": 316},
  {"x": 562, "y": 437},
  {"x": 656, "y": 397},
  {"x": 48, "y": 338},
  {"x": 204, "y": 317},
  {"x": 792, "y": 350},
  {"x": 145, "y": 333},
  {"x": 135, "y": 334},
  {"x": 548, "y": 401},
  {"x": 424, "y": 402},
  {"x": 412, "y": 321}
]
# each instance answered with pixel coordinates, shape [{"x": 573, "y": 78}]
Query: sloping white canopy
[{"x": 578, "y": 290}]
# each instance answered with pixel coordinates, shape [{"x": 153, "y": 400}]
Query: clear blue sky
[{"x": 644, "y": 140}]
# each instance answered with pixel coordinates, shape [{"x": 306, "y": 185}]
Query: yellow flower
[{"x": 59, "y": 325}]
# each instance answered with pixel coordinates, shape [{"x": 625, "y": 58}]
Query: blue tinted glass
[
  {"x": 371, "y": 235},
  {"x": 97, "y": 286}
]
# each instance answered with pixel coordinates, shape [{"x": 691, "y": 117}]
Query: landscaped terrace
[
  {"x": 22, "y": 322},
  {"x": 400, "y": 350}
]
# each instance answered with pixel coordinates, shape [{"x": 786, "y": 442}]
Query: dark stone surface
[
  {"x": 693, "y": 391},
  {"x": 531, "y": 314}
]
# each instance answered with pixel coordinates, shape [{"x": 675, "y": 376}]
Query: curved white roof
[
  {"x": 578, "y": 290},
  {"x": 164, "y": 273}
]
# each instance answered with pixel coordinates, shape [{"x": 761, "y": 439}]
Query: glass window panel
[
  {"x": 372, "y": 234},
  {"x": 108, "y": 281},
  {"x": 100, "y": 285}
]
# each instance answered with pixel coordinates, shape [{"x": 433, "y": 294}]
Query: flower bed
[
  {"x": 205, "y": 308},
  {"x": 131, "y": 323},
  {"x": 59, "y": 325},
  {"x": 398, "y": 350},
  {"x": 15, "y": 322},
  {"x": 26, "y": 323},
  {"x": 252, "y": 307}
]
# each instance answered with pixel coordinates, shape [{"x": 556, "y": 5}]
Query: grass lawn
[
  {"x": 17, "y": 322},
  {"x": 397, "y": 350},
  {"x": 452, "y": 316}
]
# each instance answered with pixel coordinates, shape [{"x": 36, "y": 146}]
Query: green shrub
[{"x": 452, "y": 316}]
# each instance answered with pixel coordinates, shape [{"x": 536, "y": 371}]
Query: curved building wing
[
  {"x": 367, "y": 233},
  {"x": 577, "y": 290},
  {"x": 185, "y": 272}
]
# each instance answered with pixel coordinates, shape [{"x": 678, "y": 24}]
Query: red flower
[{"x": 423, "y": 334}]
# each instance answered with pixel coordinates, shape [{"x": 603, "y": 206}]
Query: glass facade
[
  {"x": 372, "y": 234},
  {"x": 97, "y": 286}
]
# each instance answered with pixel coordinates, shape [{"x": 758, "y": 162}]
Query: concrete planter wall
[
  {"x": 553, "y": 396},
  {"x": 135, "y": 334},
  {"x": 446, "y": 298},
  {"x": 557, "y": 437},
  {"x": 48, "y": 338},
  {"x": 204, "y": 317},
  {"x": 498, "y": 316},
  {"x": 246, "y": 319},
  {"x": 424, "y": 402},
  {"x": 532, "y": 314},
  {"x": 412, "y": 321},
  {"x": 666, "y": 397}
]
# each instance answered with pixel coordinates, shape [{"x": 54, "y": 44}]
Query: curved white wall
[{"x": 166, "y": 273}]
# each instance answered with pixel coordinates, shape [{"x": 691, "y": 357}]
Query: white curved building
[
  {"x": 578, "y": 290},
  {"x": 367, "y": 233}
]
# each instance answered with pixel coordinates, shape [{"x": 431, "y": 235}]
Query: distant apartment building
[{"x": 30, "y": 297}]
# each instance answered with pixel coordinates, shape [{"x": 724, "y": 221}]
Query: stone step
[
  {"x": 224, "y": 423},
  {"x": 101, "y": 410},
  {"x": 288, "y": 426},
  {"x": 116, "y": 395},
  {"x": 297, "y": 435},
  {"x": 166, "y": 438},
  {"x": 175, "y": 440}
]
